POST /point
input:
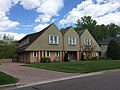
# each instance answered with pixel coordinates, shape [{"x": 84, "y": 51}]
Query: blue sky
[{"x": 21, "y": 17}]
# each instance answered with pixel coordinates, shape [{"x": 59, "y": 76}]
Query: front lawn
[
  {"x": 6, "y": 79},
  {"x": 79, "y": 67}
]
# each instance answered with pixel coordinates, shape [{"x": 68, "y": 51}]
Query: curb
[
  {"x": 10, "y": 86},
  {"x": 60, "y": 79}
]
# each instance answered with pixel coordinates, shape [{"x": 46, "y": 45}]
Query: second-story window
[
  {"x": 72, "y": 40},
  {"x": 87, "y": 41},
  {"x": 53, "y": 39}
]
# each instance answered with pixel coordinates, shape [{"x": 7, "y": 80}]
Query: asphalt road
[{"x": 106, "y": 81}]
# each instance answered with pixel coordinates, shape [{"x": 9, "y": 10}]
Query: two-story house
[{"x": 53, "y": 43}]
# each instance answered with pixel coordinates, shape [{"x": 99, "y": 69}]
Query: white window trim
[
  {"x": 72, "y": 40},
  {"x": 87, "y": 41},
  {"x": 34, "y": 53},
  {"x": 53, "y": 42}
]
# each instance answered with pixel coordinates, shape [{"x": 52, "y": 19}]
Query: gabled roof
[
  {"x": 63, "y": 31},
  {"x": 34, "y": 36},
  {"x": 107, "y": 40},
  {"x": 80, "y": 32}
]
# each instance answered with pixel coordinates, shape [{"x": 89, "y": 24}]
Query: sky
[{"x": 21, "y": 17}]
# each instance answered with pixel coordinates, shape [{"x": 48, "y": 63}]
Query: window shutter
[
  {"x": 90, "y": 42},
  {"x": 75, "y": 41},
  {"x": 69, "y": 40},
  {"x": 84, "y": 41},
  {"x": 57, "y": 39}
]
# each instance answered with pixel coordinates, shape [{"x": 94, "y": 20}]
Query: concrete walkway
[{"x": 28, "y": 75}]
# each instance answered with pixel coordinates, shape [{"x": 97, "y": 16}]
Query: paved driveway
[{"x": 28, "y": 75}]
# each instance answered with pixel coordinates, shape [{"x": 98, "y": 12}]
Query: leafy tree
[
  {"x": 86, "y": 22},
  {"x": 7, "y": 46},
  {"x": 113, "y": 50}
]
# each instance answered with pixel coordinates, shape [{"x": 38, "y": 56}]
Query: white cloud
[
  {"x": 40, "y": 27},
  {"x": 49, "y": 8},
  {"x": 104, "y": 13},
  {"x": 15, "y": 35},
  {"x": 30, "y": 4},
  {"x": 5, "y": 23}
]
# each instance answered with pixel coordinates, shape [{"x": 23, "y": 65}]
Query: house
[
  {"x": 104, "y": 44},
  {"x": 71, "y": 43},
  {"x": 88, "y": 46},
  {"x": 53, "y": 43},
  {"x": 46, "y": 43}
]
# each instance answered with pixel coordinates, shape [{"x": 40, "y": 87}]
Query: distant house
[
  {"x": 53, "y": 43},
  {"x": 104, "y": 44}
]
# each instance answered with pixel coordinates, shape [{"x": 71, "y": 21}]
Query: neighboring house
[
  {"x": 88, "y": 46},
  {"x": 53, "y": 43},
  {"x": 71, "y": 43},
  {"x": 46, "y": 43},
  {"x": 104, "y": 44}
]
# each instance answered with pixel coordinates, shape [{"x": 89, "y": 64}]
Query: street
[{"x": 107, "y": 81}]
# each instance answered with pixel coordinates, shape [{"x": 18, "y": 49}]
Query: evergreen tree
[{"x": 113, "y": 50}]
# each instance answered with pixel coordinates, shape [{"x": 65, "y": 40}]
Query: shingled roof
[
  {"x": 63, "y": 31},
  {"x": 80, "y": 32},
  {"x": 34, "y": 36}
]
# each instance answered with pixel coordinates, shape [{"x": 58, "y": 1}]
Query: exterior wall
[
  {"x": 104, "y": 49},
  {"x": 42, "y": 42},
  {"x": 8, "y": 60},
  {"x": 24, "y": 57},
  {"x": 71, "y": 33}
]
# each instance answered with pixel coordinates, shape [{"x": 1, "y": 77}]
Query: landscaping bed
[
  {"x": 6, "y": 79},
  {"x": 79, "y": 67}
]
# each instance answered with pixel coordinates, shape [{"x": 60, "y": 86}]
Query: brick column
[
  {"x": 60, "y": 58},
  {"x": 42, "y": 54},
  {"x": 39, "y": 56},
  {"x": 78, "y": 55}
]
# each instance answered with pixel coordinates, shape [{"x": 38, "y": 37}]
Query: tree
[
  {"x": 8, "y": 46},
  {"x": 113, "y": 50},
  {"x": 86, "y": 22}
]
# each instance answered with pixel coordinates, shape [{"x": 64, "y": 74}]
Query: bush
[
  {"x": 66, "y": 57},
  {"x": 45, "y": 60},
  {"x": 113, "y": 50}
]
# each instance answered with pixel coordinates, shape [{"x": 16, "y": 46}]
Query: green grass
[
  {"x": 79, "y": 67},
  {"x": 6, "y": 79}
]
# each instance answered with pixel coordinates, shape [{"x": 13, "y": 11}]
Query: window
[
  {"x": 53, "y": 39},
  {"x": 34, "y": 54},
  {"x": 48, "y": 54},
  {"x": 71, "y": 40},
  {"x": 87, "y": 41},
  {"x": 56, "y": 54}
]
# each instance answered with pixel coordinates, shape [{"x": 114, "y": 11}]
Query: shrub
[
  {"x": 113, "y": 50},
  {"x": 66, "y": 57},
  {"x": 45, "y": 60}
]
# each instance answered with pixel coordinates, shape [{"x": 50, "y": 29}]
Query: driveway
[{"x": 28, "y": 75}]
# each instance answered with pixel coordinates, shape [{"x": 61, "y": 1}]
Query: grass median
[
  {"x": 79, "y": 67},
  {"x": 6, "y": 79}
]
